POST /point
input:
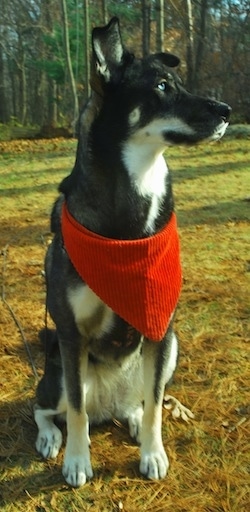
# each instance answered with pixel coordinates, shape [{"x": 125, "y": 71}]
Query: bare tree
[
  {"x": 146, "y": 21},
  {"x": 104, "y": 11},
  {"x": 159, "y": 10},
  {"x": 190, "y": 45},
  {"x": 68, "y": 60},
  {"x": 3, "y": 88},
  {"x": 86, "y": 47},
  {"x": 201, "y": 42}
]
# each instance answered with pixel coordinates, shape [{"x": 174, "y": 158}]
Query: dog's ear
[
  {"x": 109, "y": 54},
  {"x": 168, "y": 59}
]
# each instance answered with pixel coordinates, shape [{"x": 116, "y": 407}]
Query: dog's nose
[{"x": 222, "y": 109}]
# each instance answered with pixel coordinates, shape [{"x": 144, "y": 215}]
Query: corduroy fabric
[{"x": 140, "y": 280}]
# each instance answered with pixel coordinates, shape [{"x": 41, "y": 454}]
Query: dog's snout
[{"x": 222, "y": 109}]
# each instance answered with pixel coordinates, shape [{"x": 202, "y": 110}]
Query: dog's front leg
[
  {"x": 77, "y": 466},
  {"x": 154, "y": 462}
]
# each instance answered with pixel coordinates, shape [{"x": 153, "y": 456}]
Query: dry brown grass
[{"x": 209, "y": 456}]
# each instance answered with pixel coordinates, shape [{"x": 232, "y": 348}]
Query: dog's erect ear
[
  {"x": 108, "y": 51},
  {"x": 167, "y": 59}
]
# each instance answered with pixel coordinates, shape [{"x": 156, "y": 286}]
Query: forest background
[{"x": 45, "y": 50}]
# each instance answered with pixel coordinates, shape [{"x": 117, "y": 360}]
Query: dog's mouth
[
  {"x": 183, "y": 134},
  {"x": 206, "y": 121},
  {"x": 219, "y": 130}
]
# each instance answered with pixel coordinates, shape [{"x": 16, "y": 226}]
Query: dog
[{"x": 113, "y": 271}]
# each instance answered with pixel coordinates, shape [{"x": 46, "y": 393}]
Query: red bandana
[{"x": 138, "y": 279}]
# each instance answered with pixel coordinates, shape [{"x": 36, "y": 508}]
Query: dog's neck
[
  {"x": 128, "y": 178},
  {"x": 148, "y": 171}
]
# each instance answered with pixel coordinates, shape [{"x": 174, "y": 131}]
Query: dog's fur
[{"x": 119, "y": 188}]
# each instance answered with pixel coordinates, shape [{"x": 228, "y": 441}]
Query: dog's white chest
[
  {"x": 148, "y": 173},
  {"x": 92, "y": 316}
]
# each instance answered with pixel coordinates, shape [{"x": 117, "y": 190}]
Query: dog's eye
[{"x": 162, "y": 85}]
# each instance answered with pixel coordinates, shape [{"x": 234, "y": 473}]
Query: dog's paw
[
  {"x": 49, "y": 441},
  {"x": 135, "y": 424},
  {"x": 177, "y": 409},
  {"x": 154, "y": 464},
  {"x": 77, "y": 470}
]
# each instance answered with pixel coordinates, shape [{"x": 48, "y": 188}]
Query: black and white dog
[{"x": 108, "y": 359}]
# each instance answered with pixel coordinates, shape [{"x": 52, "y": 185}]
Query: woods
[{"x": 45, "y": 48}]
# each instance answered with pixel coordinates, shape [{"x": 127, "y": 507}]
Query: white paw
[
  {"x": 135, "y": 424},
  {"x": 154, "y": 464},
  {"x": 49, "y": 441},
  {"x": 77, "y": 470},
  {"x": 176, "y": 408}
]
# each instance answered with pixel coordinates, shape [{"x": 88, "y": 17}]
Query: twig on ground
[{"x": 3, "y": 297}]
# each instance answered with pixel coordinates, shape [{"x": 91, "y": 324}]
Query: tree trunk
[
  {"x": 12, "y": 70},
  {"x": 104, "y": 12},
  {"x": 190, "y": 46},
  {"x": 23, "y": 94},
  {"x": 146, "y": 18},
  {"x": 22, "y": 81},
  {"x": 86, "y": 48},
  {"x": 52, "y": 103},
  {"x": 68, "y": 60},
  {"x": 201, "y": 42},
  {"x": 159, "y": 8},
  {"x": 3, "y": 99}
]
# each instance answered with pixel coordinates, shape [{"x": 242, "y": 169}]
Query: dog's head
[{"x": 145, "y": 97}]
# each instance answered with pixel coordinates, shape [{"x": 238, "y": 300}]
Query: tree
[
  {"x": 3, "y": 99},
  {"x": 68, "y": 60},
  {"x": 104, "y": 12},
  {"x": 200, "y": 48},
  {"x": 86, "y": 44},
  {"x": 190, "y": 46},
  {"x": 159, "y": 9},
  {"x": 146, "y": 19}
]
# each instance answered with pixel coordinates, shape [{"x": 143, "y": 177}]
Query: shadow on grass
[
  {"x": 25, "y": 230},
  {"x": 29, "y": 191},
  {"x": 220, "y": 213},
  {"x": 181, "y": 174}
]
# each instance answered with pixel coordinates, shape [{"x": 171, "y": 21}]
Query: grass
[{"x": 209, "y": 456}]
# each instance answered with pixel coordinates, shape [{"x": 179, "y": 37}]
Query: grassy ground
[{"x": 209, "y": 456}]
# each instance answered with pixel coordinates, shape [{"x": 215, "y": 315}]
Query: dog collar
[{"x": 140, "y": 280}]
